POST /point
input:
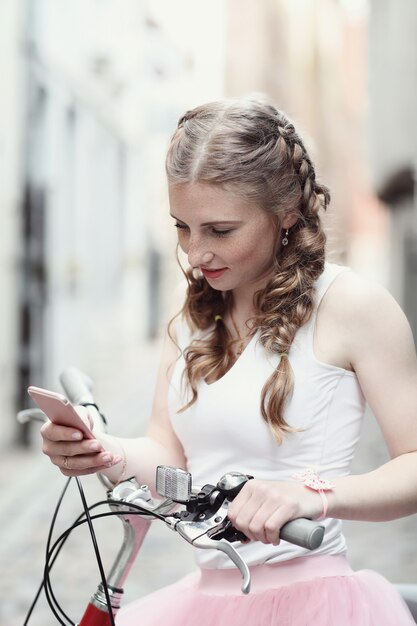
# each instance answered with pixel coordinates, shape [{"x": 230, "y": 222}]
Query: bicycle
[{"x": 202, "y": 521}]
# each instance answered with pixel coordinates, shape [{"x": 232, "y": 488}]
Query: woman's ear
[{"x": 289, "y": 220}]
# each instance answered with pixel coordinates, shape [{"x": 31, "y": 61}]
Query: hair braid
[
  {"x": 287, "y": 301},
  {"x": 283, "y": 306},
  {"x": 314, "y": 194}
]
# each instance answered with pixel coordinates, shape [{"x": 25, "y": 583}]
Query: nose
[{"x": 198, "y": 254}]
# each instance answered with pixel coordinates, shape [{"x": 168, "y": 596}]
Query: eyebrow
[{"x": 211, "y": 223}]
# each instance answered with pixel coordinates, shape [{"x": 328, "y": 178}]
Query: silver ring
[{"x": 65, "y": 463}]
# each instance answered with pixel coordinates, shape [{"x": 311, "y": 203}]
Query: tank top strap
[{"x": 330, "y": 273}]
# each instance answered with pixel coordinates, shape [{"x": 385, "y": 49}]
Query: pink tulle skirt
[{"x": 307, "y": 591}]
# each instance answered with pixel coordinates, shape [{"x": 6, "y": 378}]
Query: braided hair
[{"x": 250, "y": 147}]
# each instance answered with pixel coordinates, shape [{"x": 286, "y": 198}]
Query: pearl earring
[{"x": 285, "y": 239}]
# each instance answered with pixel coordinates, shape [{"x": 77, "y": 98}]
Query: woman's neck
[{"x": 243, "y": 299}]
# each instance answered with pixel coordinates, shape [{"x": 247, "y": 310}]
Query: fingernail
[
  {"x": 107, "y": 458},
  {"x": 116, "y": 459},
  {"x": 77, "y": 436},
  {"x": 94, "y": 446}
]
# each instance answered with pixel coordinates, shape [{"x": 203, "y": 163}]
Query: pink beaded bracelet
[{"x": 315, "y": 482}]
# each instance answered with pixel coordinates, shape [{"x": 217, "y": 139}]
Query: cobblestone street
[{"x": 30, "y": 487}]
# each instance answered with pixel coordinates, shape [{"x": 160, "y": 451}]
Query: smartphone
[{"x": 59, "y": 409}]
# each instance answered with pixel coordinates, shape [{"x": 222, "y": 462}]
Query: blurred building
[
  {"x": 345, "y": 71},
  {"x": 393, "y": 138},
  {"x": 311, "y": 56},
  {"x": 10, "y": 201},
  {"x": 101, "y": 86}
]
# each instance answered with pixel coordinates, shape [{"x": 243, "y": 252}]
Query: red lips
[{"x": 213, "y": 273}]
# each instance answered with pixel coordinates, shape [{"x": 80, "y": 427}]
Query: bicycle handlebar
[
  {"x": 207, "y": 525},
  {"x": 77, "y": 385},
  {"x": 210, "y": 529},
  {"x": 79, "y": 390},
  {"x": 302, "y": 532}
]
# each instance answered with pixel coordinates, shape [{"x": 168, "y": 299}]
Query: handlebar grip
[
  {"x": 303, "y": 532},
  {"x": 77, "y": 385}
]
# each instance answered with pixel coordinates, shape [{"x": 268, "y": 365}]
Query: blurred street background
[{"x": 91, "y": 93}]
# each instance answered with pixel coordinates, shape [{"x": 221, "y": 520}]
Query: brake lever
[
  {"x": 223, "y": 545},
  {"x": 206, "y": 528},
  {"x": 200, "y": 534}
]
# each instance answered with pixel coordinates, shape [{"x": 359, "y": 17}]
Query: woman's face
[{"x": 232, "y": 241}]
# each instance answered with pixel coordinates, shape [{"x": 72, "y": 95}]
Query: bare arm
[
  {"x": 381, "y": 348},
  {"x": 374, "y": 338}
]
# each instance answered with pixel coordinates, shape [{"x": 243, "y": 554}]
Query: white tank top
[{"x": 224, "y": 431}]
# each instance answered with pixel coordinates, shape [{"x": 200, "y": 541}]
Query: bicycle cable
[
  {"x": 46, "y": 584},
  {"x": 52, "y": 601},
  {"x": 96, "y": 552},
  {"x": 57, "y": 546},
  {"x": 59, "y": 543},
  {"x": 48, "y": 543},
  {"x": 50, "y": 557}
]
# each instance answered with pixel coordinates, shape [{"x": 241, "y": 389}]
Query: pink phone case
[{"x": 59, "y": 409}]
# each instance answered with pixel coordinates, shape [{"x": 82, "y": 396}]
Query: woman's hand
[
  {"x": 263, "y": 506},
  {"x": 72, "y": 454}
]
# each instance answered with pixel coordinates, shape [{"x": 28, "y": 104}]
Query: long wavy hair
[{"x": 250, "y": 147}]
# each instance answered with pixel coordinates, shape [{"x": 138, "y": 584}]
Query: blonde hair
[{"x": 251, "y": 148}]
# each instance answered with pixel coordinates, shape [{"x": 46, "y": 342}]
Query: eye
[
  {"x": 221, "y": 232},
  {"x": 180, "y": 226}
]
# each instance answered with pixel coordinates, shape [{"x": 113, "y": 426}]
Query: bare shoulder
[
  {"x": 351, "y": 291},
  {"x": 377, "y": 341},
  {"x": 356, "y": 300},
  {"x": 358, "y": 318}
]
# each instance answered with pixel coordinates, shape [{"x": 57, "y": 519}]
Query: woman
[{"x": 266, "y": 371}]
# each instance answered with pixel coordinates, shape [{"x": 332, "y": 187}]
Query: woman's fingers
[
  {"x": 72, "y": 454},
  {"x": 83, "y": 472},
  {"x": 267, "y": 522},
  {"x": 54, "y": 432},
  {"x": 273, "y": 527},
  {"x": 78, "y": 465},
  {"x": 261, "y": 508},
  {"x": 263, "y": 523},
  {"x": 71, "y": 448}
]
